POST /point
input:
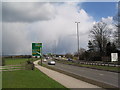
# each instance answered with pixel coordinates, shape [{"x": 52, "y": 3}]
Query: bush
[
  {"x": 29, "y": 65},
  {"x": 3, "y": 62},
  {"x": 95, "y": 58},
  {"x": 106, "y": 59}
]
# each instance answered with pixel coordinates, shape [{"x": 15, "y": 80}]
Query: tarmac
[{"x": 65, "y": 80}]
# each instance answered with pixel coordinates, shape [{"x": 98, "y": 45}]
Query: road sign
[
  {"x": 36, "y": 49},
  {"x": 114, "y": 56}
]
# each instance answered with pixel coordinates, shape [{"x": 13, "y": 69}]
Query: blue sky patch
[{"x": 100, "y": 9}]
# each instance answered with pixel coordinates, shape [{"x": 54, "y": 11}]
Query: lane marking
[{"x": 101, "y": 74}]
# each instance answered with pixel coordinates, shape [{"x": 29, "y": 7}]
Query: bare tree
[{"x": 100, "y": 34}]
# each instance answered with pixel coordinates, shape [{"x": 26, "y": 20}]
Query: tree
[
  {"x": 81, "y": 54},
  {"x": 100, "y": 34},
  {"x": 69, "y": 55},
  {"x": 110, "y": 48},
  {"x": 92, "y": 54},
  {"x": 81, "y": 51},
  {"x": 90, "y": 46},
  {"x": 113, "y": 48}
]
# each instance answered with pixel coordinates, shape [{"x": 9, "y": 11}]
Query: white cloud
[
  {"x": 56, "y": 33},
  {"x": 60, "y": 1},
  {"x": 108, "y": 20}
]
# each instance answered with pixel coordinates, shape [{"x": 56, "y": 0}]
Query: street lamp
[{"x": 78, "y": 39}]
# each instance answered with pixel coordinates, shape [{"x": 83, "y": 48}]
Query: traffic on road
[{"x": 107, "y": 77}]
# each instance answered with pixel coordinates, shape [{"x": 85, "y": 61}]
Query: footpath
[{"x": 65, "y": 80}]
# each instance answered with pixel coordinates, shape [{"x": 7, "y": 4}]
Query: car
[
  {"x": 44, "y": 60},
  {"x": 51, "y": 62},
  {"x": 69, "y": 59},
  {"x": 47, "y": 58}
]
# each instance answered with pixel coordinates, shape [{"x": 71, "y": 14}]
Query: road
[
  {"x": 107, "y": 77},
  {"x": 65, "y": 80}
]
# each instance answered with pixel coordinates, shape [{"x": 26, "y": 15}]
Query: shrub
[
  {"x": 29, "y": 65},
  {"x": 3, "y": 62}
]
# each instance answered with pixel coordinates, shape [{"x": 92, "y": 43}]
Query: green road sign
[{"x": 36, "y": 49}]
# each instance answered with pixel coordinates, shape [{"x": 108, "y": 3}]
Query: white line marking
[{"x": 101, "y": 74}]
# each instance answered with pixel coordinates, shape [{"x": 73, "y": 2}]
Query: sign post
[{"x": 37, "y": 50}]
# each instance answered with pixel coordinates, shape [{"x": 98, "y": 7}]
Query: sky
[
  {"x": 51, "y": 23},
  {"x": 100, "y": 9}
]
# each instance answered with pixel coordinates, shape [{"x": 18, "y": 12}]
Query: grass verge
[
  {"x": 17, "y": 61},
  {"x": 21, "y": 79},
  {"x": 28, "y": 79},
  {"x": 105, "y": 68}
]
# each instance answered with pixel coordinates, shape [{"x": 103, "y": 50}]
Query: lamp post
[{"x": 78, "y": 39}]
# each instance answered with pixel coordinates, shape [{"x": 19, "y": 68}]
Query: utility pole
[
  {"x": 119, "y": 37},
  {"x": 55, "y": 48},
  {"x": 78, "y": 40}
]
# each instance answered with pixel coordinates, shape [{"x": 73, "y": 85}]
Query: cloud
[
  {"x": 54, "y": 26},
  {"x": 14, "y": 39},
  {"x": 108, "y": 20},
  {"x": 27, "y": 11}
]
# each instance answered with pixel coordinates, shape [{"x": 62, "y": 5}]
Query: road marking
[{"x": 101, "y": 74}]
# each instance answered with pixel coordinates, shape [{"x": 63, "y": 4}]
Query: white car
[
  {"x": 44, "y": 60},
  {"x": 51, "y": 62}
]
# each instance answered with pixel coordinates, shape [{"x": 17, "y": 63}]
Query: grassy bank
[
  {"x": 28, "y": 79},
  {"x": 16, "y": 61},
  {"x": 25, "y": 78}
]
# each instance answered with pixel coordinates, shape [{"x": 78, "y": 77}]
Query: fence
[{"x": 98, "y": 63}]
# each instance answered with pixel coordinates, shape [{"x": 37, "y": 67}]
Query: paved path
[{"x": 63, "y": 79}]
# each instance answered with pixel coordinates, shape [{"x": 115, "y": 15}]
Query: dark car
[{"x": 69, "y": 59}]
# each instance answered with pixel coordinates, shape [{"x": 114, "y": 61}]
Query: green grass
[
  {"x": 28, "y": 79},
  {"x": 0, "y": 80},
  {"x": 3, "y": 69},
  {"x": 11, "y": 66},
  {"x": 16, "y": 61}
]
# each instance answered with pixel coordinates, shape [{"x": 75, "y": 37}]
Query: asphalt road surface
[
  {"x": 107, "y": 77},
  {"x": 65, "y": 80}
]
